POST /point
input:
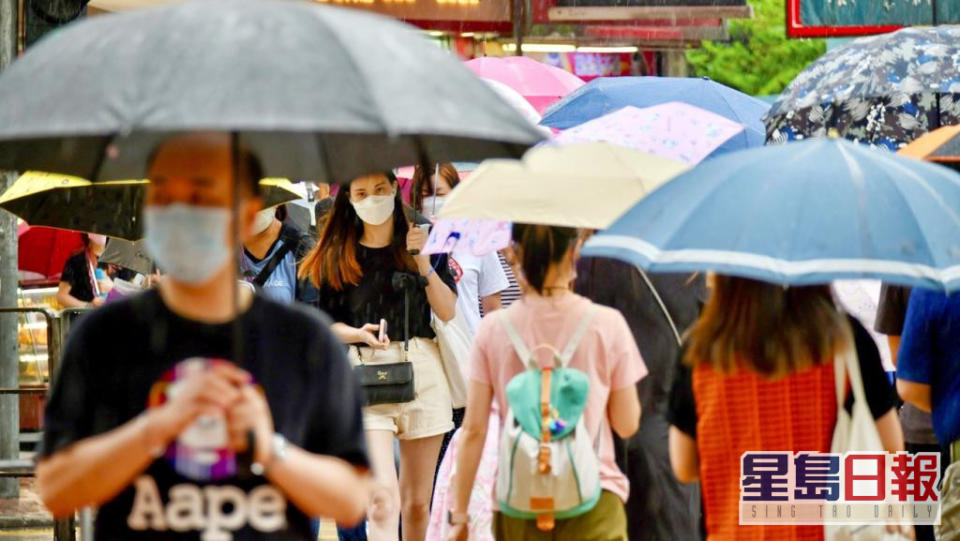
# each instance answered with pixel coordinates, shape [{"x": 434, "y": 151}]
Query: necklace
[{"x": 550, "y": 289}]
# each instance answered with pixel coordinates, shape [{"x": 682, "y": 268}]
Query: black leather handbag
[
  {"x": 392, "y": 383},
  {"x": 389, "y": 383}
]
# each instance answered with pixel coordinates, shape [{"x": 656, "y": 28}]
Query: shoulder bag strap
[
  {"x": 847, "y": 368},
  {"x": 577, "y": 336},
  {"x": 271, "y": 266},
  {"x": 852, "y": 363},
  {"x": 663, "y": 306},
  {"x": 840, "y": 377},
  {"x": 522, "y": 350}
]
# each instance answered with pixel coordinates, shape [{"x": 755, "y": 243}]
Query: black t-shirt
[
  {"x": 114, "y": 359},
  {"x": 881, "y": 397},
  {"x": 892, "y": 310},
  {"x": 375, "y": 297},
  {"x": 891, "y": 314},
  {"x": 76, "y": 272}
]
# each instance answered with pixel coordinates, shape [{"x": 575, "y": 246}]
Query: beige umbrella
[{"x": 588, "y": 185}]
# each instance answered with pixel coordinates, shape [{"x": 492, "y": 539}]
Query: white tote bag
[
  {"x": 454, "y": 342},
  {"x": 854, "y": 431}
]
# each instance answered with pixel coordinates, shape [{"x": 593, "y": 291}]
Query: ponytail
[{"x": 540, "y": 247}]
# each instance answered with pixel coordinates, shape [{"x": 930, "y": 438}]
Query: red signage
[
  {"x": 835, "y": 18},
  {"x": 434, "y": 10}
]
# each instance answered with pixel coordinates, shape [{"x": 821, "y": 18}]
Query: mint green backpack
[{"x": 548, "y": 467}]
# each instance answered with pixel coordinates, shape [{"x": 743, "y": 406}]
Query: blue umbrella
[
  {"x": 801, "y": 213},
  {"x": 607, "y": 94}
]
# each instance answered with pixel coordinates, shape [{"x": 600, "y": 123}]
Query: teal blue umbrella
[{"x": 800, "y": 213}]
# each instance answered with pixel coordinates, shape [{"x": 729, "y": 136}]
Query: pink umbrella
[
  {"x": 539, "y": 83},
  {"x": 673, "y": 130}
]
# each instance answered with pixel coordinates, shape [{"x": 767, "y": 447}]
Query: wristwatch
[
  {"x": 455, "y": 519},
  {"x": 278, "y": 452}
]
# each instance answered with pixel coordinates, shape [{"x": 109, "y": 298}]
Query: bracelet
[{"x": 431, "y": 272}]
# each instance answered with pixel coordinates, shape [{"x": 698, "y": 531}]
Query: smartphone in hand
[{"x": 382, "y": 336}]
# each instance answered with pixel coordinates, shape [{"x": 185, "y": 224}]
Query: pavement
[
  {"x": 25, "y": 519},
  {"x": 27, "y": 512}
]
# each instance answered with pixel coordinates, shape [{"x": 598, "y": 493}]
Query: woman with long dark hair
[
  {"x": 81, "y": 286},
  {"x": 758, "y": 375},
  {"x": 368, "y": 266},
  {"x": 550, "y": 313}
]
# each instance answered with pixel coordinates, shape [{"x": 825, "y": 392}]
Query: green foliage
[{"x": 759, "y": 59}]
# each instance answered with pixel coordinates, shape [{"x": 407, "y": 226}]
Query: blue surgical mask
[{"x": 187, "y": 242}]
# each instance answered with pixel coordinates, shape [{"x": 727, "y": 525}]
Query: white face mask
[
  {"x": 375, "y": 209},
  {"x": 188, "y": 242},
  {"x": 263, "y": 220},
  {"x": 432, "y": 205}
]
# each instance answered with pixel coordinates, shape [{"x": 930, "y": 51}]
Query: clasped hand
[{"x": 226, "y": 390}]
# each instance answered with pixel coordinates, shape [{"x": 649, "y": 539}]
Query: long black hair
[{"x": 333, "y": 261}]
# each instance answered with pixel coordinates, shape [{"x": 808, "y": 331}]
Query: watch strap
[{"x": 278, "y": 452}]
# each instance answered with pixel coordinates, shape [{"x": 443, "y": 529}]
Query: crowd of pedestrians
[{"x": 318, "y": 388}]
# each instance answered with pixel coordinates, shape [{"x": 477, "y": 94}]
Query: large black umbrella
[
  {"x": 111, "y": 208},
  {"x": 317, "y": 92}
]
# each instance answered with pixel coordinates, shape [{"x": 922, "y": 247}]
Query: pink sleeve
[
  {"x": 626, "y": 365},
  {"x": 479, "y": 361}
]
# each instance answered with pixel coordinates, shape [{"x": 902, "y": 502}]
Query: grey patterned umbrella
[
  {"x": 317, "y": 92},
  {"x": 884, "y": 90}
]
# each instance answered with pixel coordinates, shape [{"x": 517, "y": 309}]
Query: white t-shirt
[
  {"x": 860, "y": 298},
  {"x": 476, "y": 277}
]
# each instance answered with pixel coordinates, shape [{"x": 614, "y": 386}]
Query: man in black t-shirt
[{"x": 195, "y": 422}]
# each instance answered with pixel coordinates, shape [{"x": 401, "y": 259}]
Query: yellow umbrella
[
  {"x": 109, "y": 208},
  {"x": 588, "y": 185}
]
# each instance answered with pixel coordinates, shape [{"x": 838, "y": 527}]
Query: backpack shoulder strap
[
  {"x": 522, "y": 350},
  {"x": 271, "y": 265},
  {"x": 577, "y": 336}
]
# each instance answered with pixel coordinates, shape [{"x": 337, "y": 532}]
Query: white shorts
[{"x": 430, "y": 412}]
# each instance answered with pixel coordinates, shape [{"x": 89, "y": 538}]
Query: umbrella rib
[
  {"x": 924, "y": 183},
  {"x": 380, "y": 109},
  {"x": 694, "y": 259},
  {"x": 800, "y": 156},
  {"x": 913, "y": 215},
  {"x": 696, "y": 208}
]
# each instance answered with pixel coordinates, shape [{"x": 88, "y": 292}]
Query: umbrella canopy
[
  {"x": 129, "y": 255},
  {"x": 44, "y": 250},
  {"x": 586, "y": 185},
  {"x": 110, "y": 208},
  {"x": 605, "y": 95},
  {"x": 885, "y": 90},
  {"x": 673, "y": 130},
  {"x": 316, "y": 92},
  {"x": 515, "y": 99},
  {"x": 940, "y": 146},
  {"x": 540, "y": 84},
  {"x": 802, "y": 213}
]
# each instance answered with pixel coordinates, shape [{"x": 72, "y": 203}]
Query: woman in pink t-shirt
[{"x": 549, "y": 313}]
